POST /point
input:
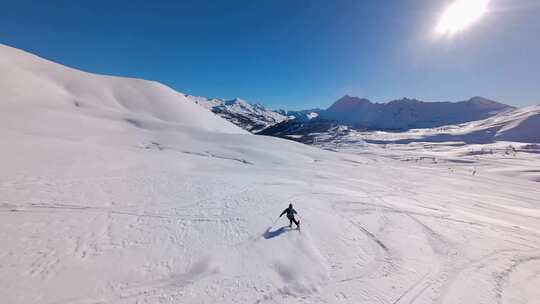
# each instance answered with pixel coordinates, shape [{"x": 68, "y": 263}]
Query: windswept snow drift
[{"x": 117, "y": 190}]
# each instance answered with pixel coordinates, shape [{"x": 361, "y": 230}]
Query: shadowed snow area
[{"x": 116, "y": 190}]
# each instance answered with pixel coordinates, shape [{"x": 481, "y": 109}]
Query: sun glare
[{"x": 459, "y": 15}]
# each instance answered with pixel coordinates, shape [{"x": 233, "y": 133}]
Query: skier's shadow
[{"x": 269, "y": 233}]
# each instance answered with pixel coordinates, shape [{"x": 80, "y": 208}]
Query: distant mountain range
[
  {"x": 353, "y": 112},
  {"x": 404, "y": 114},
  {"x": 349, "y": 114},
  {"x": 476, "y": 120},
  {"x": 519, "y": 125}
]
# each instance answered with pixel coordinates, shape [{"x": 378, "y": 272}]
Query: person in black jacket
[{"x": 290, "y": 215}]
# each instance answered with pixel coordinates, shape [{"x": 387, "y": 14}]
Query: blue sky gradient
[{"x": 289, "y": 53}]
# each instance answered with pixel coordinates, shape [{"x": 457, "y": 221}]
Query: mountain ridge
[
  {"x": 407, "y": 113},
  {"x": 250, "y": 117},
  {"x": 357, "y": 113}
]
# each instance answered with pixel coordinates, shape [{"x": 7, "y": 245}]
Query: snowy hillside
[
  {"x": 116, "y": 190},
  {"x": 44, "y": 97},
  {"x": 251, "y": 117}
]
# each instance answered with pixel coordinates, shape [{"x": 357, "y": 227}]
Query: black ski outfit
[{"x": 290, "y": 215}]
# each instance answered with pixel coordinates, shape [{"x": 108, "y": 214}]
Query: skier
[{"x": 290, "y": 215}]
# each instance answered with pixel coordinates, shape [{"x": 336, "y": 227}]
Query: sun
[{"x": 459, "y": 15}]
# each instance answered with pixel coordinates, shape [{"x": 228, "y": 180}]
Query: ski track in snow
[{"x": 370, "y": 249}]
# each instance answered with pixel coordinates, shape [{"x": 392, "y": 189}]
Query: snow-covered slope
[
  {"x": 409, "y": 113},
  {"x": 117, "y": 190},
  {"x": 522, "y": 125},
  {"x": 251, "y": 117},
  {"x": 41, "y": 96}
]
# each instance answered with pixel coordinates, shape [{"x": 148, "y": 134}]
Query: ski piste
[{"x": 120, "y": 190}]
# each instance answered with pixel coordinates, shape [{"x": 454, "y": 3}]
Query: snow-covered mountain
[
  {"x": 251, "y": 117},
  {"x": 119, "y": 190},
  {"x": 353, "y": 113},
  {"x": 407, "y": 113},
  {"x": 519, "y": 125}
]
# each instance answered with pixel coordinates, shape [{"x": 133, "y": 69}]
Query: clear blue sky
[{"x": 290, "y": 54}]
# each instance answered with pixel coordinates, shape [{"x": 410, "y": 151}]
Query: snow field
[{"x": 136, "y": 195}]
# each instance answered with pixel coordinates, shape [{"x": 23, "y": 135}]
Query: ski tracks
[
  {"x": 391, "y": 262},
  {"x": 502, "y": 278},
  {"x": 44, "y": 264}
]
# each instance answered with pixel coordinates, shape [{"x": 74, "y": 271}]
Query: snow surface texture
[
  {"x": 121, "y": 191},
  {"x": 251, "y": 117}
]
